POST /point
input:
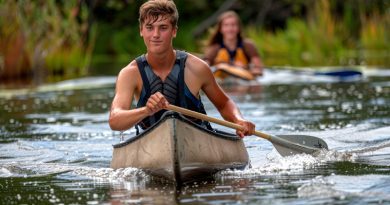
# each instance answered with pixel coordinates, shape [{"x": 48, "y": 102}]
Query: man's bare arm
[{"x": 122, "y": 116}]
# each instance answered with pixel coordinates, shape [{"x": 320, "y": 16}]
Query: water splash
[
  {"x": 46, "y": 169},
  {"x": 320, "y": 187},
  {"x": 121, "y": 174},
  {"x": 286, "y": 165},
  {"x": 31, "y": 170}
]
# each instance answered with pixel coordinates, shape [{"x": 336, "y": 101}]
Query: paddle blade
[
  {"x": 288, "y": 145},
  {"x": 340, "y": 73},
  {"x": 224, "y": 70}
]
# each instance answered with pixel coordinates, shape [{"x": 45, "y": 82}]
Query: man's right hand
[{"x": 156, "y": 102}]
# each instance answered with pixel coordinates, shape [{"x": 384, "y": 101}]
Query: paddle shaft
[
  {"x": 286, "y": 145},
  {"x": 214, "y": 120}
]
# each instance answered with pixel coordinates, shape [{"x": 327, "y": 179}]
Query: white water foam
[
  {"x": 320, "y": 187},
  {"x": 290, "y": 164},
  {"x": 31, "y": 170},
  {"x": 74, "y": 84},
  {"x": 120, "y": 174},
  {"x": 45, "y": 169}
]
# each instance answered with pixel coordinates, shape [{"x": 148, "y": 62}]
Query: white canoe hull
[{"x": 180, "y": 151}]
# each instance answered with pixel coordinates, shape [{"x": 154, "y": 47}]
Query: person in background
[
  {"x": 166, "y": 76},
  {"x": 228, "y": 46}
]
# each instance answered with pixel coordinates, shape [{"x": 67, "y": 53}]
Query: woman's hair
[
  {"x": 153, "y": 9},
  {"x": 216, "y": 36}
]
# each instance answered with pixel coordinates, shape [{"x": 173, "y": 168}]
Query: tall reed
[
  {"x": 51, "y": 38},
  {"x": 326, "y": 39}
]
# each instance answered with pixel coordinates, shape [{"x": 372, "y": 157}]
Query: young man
[{"x": 164, "y": 75}]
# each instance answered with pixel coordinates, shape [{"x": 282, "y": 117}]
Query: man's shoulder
[
  {"x": 196, "y": 65},
  {"x": 129, "y": 68}
]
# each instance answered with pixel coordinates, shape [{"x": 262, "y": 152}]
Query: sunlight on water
[{"x": 342, "y": 187}]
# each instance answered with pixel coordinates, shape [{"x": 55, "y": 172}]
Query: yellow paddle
[{"x": 224, "y": 69}]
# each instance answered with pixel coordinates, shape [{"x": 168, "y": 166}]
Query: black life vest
[{"x": 173, "y": 88}]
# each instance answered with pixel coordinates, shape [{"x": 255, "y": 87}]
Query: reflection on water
[{"x": 55, "y": 145}]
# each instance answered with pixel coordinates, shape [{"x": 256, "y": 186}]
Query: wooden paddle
[
  {"x": 286, "y": 145},
  {"x": 227, "y": 69}
]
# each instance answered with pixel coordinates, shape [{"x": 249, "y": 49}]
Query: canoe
[{"x": 181, "y": 151}]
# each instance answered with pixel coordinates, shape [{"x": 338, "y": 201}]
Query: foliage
[
  {"x": 52, "y": 38},
  {"x": 325, "y": 40},
  {"x": 66, "y": 37}
]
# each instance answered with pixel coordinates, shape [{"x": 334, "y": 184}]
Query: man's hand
[
  {"x": 249, "y": 128},
  {"x": 156, "y": 102}
]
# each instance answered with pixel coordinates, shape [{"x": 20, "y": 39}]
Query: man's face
[{"x": 158, "y": 35}]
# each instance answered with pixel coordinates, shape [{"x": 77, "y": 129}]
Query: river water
[{"x": 56, "y": 146}]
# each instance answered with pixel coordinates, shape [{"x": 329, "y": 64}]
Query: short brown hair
[{"x": 153, "y": 9}]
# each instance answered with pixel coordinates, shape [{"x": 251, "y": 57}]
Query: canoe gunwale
[{"x": 178, "y": 116}]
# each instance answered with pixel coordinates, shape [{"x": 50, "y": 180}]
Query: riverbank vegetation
[
  {"x": 44, "y": 38},
  {"x": 356, "y": 36},
  {"x": 67, "y": 39}
]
